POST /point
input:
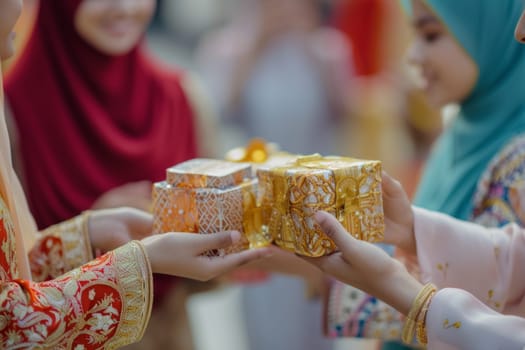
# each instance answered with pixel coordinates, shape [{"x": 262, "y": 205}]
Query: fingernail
[{"x": 235, "y": 236}]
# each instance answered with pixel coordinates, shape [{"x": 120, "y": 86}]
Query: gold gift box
[
  {"x": 290, "y": 194},
  {"x": 207, "y": 196}
]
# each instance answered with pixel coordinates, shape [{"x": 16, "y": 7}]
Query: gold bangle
[
  {"x": 410, "y": 323},
  {"x": 421, "y": 324}
]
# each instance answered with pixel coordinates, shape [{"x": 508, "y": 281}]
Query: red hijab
[
  {"x": 363, "y": 21},
  {"x": 89, "y": 122}
]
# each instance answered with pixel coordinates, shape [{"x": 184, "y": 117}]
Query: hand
[
  {"x": 366, "y": 267},
  {"x": 111, "y": 228},
  {"x": 399, "y": 217},
  {"x": 284, "y": 262},
  {"x": 133, "y": 194},
  {"x": 181, "y": 254}
]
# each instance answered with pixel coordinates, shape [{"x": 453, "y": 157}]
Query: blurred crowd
[{"x": 282, "y": 69}]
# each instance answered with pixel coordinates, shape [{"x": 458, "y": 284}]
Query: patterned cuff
[
  {"x": 136, "y": 282},
  {"x": 61, "y": 248},
  {"x": 75, "y": 240}
]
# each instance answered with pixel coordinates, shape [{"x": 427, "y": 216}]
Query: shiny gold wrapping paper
[{"x": 290, "y": 194}]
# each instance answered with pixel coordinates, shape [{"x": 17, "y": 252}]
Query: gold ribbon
[
  {"x": 281, "y": 226},
  {"x": 252, "y": 219},
  {"x": 255, "y": 152}
]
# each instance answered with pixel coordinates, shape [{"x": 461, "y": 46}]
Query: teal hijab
[{"x": 492, "y": 114}]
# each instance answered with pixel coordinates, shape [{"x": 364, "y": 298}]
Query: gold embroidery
[
  {"x": 9, "y": 267},
  {"x": 443, "y": 268},
  {"x": 61, "y": 248},
  {"x": 447, "y": 324},
  {"x": 497, "y": 252},
  {"x": 105, "y": 303},
  {"x": 136, "y": 283},
  {"x": 490, "y": 301}
]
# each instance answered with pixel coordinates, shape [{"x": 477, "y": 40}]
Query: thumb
[
  {"x": 333, "y": 229},
  {"x": 353, "y": 251},
  {"x": 390, "y": 186}
]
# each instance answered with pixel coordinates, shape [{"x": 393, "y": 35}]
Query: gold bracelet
[
  {"x": 421, "y": 324},
  {"x": 410, "y": 323}
]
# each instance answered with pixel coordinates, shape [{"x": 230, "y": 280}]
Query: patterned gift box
[
  {"x": 207, "y": 196},
  {"x": 290, "y": 194}
]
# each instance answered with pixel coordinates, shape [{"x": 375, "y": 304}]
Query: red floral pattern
[
  {"x": 103, "y": 304},
  {"x": 60, "y": 249}
]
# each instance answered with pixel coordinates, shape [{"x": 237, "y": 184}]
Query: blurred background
[{"x": 325, "y": 76}]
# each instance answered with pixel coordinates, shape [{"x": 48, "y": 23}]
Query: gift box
[
  {"x": 290, "y": 194},
  {"x": 207, "y": 196}
]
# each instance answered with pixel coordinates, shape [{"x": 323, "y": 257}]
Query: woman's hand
[
  {"x": 111, "y": 228},
  {"x": 181, "y": 254},
  {"x": 366, "y": 267},
  {"x": 288, "y": 263},
  {"x": 399, "y": 217},
  {"x": 133, "y": 194},
  {"x": 177, "y": 254}
]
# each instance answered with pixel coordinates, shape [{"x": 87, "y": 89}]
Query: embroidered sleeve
[
  {"x": 498, "y": 200},
  {"x": 495, "y": 270},
  {"x": 104, "y": 304},
  {"x": 60, "y": 249},
  {"x": 457, "y": 320}
]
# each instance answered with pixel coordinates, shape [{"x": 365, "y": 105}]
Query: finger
[
  {"x": 354, "y": 252},
  {"x": 223, "y": 264},
  {"x": 205, "y": 242},
  {"x": 138, "y": 187},
  {"x": 144, "y": 188},
  {"x": 319, "y": 262},
  {"x": 336, "y": 266},
  {"x": 140, "y": 221},
  {"x": 330, "y": 264},
  {"x": 333, "y": 229},
  {"x": 390, "y": 186}
]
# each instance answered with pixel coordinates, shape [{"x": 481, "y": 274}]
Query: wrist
[
  {"x": 408, "y": 243},
  {"x": 148, "y": 245},
  {"x": 399, "y": 289}
]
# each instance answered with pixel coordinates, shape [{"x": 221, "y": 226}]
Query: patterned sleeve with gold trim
[
  {"x": 457, "y": 320},
  {"x": 104, "y": 304},
  {"x": 61, "y": 248}
]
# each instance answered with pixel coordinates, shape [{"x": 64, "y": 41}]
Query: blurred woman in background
[
  {"x": 475, "y": 169},
  {"x": 104, "y": 122}
]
